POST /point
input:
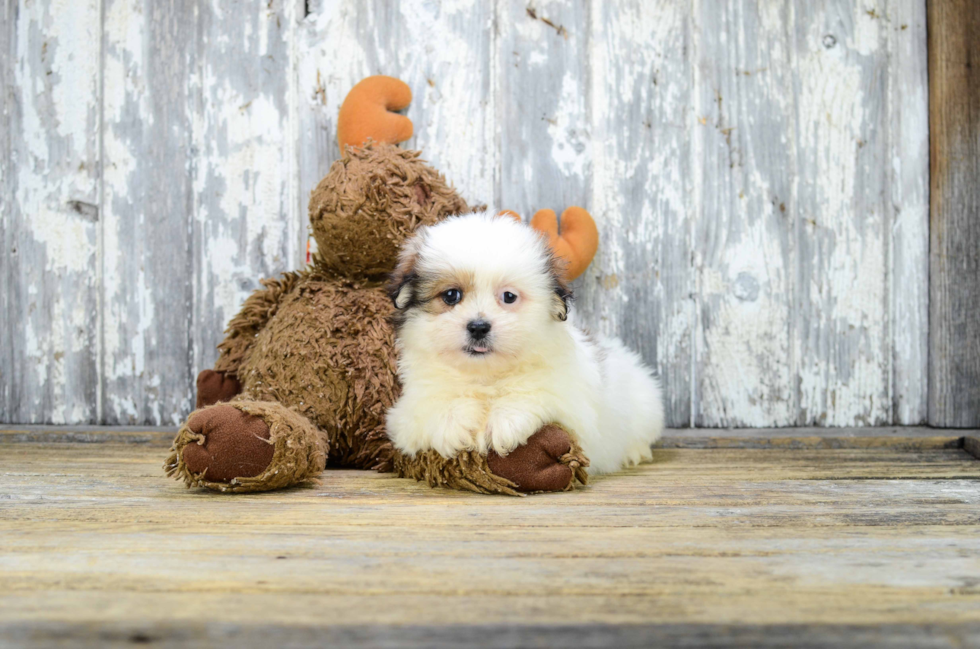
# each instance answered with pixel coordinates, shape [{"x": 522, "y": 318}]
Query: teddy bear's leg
[
  {"x": 245, "y": 446},
  {"x": 550, "y": 460}
]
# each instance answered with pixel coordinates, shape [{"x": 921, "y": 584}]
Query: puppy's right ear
[
  {"x": 561, "y": 294},
  {"x": 401, "y": 285}
]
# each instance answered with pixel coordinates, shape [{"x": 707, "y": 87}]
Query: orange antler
[
  {"x": 578, "y": 241},
  {"x": 366, "y": 112}
]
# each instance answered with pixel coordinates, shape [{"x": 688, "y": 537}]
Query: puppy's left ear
[
  {"x": 562, "y": 295},
  {"x": 401, "y": 285}
]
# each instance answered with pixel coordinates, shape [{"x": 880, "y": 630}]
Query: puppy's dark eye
[
  {"x": 509, "y": 298},
  {"x": 452, "y": 296}
]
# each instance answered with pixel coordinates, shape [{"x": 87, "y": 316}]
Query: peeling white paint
[
  {"x": 51, "y": 213},
  {"x": 843, "y": 363},
  {"x": 758, "y": 174},
  {"x": 570, "y": 141}
]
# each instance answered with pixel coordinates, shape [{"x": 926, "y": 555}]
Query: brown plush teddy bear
[{"x": 306, "y": 371}]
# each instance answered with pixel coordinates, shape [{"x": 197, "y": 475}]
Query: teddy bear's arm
[{"x": 258, "y": 308}]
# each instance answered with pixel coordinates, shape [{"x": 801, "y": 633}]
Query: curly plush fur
[
  {"x": 312, "y": 353},
  {"x": 371, "y": 200},
  {"x": 307, "y": 369},
  {"x": 318, "y": 343}
]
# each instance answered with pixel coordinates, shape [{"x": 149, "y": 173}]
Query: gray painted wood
[
  {"x": 744, "y": 255},
  {"x": 799, "y": 319},
  {"x": 7, "y": 33},
  {"x": 640, "y": 285},
  {"x": 148, "y": 211},
  {"x": 954, "y": 255},
  {"x": 542, "y": 87},
  {"x": 51, "y": 214},
  {"x": 908, "y": 210},
  {"x": 245, "y": 224},
  {"x": 841, "y": 225},
  {"x": 757, "y": 171}
]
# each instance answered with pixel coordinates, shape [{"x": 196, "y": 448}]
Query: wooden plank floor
[{"x": 871, "y": 540}]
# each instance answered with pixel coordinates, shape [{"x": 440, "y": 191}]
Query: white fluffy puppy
[{"x": 487, "y": 356}]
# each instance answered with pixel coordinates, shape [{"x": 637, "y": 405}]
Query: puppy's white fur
[{"x": 538, "y": 368}]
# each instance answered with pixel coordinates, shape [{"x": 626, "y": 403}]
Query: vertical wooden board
[
  {"x": 339, "y": 42},
  {"x": 954, "y": 253},
  {"x": 842, "y": 218},
  {"x": 51, "y": 214},
  {"x": 245, "y": 223},
  {"x": 542, "y": 90},
  {"x": 147, "y": 211},
  {"x": 743, "y": 246},
  {"x": 450, "y": 77},
  {"x": 639, "y": 286},
  {"x": 7, "y": 335},
  {"x": 908, "y": 208}
]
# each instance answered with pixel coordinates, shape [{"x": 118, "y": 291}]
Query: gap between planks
[{"x": 900, "y": 437}]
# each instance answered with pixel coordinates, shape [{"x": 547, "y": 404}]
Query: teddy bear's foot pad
[
  {"x": 549, "y": 461},
  {"x": 246, "y": 446},
  {"x": 234, "y": 444}
]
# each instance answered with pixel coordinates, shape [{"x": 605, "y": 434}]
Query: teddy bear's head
[{"x": 370, "y": 202}]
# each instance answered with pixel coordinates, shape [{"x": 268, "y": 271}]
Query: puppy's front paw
[
  {"x": 415, "y": 426},
  {"x": 508, "y": 428}
]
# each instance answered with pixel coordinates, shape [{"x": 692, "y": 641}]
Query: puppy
[{"x": 487, "y": 354}]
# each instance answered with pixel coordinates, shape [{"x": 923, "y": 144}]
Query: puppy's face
[{"x": 477, "y": 289}]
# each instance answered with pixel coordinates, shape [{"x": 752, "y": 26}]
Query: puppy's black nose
[{"x": 478, "y": 328}]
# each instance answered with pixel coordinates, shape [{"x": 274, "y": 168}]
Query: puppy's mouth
[{"x": 480, "y": 348}]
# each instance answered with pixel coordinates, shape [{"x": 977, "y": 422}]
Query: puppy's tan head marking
[
  {"x": 431, "y": 289},
  {"x": 401, "y": 284},
  {"x": 410, "y": 288}
]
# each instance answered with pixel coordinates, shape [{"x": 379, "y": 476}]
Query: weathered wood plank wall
[{"x": 758, "y": 171}]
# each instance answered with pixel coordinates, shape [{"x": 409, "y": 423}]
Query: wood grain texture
[
  {"x": 7, "y": 96},
  {"x": 841, "y": 229},
  {"x": 95, "y": 542},
  {"x": 744, "y": 253},
  {"x": 971, "y": 444},
  {"x": 954, "y": 253},
  {"x": 543, "y": 85},
  {"x": 246, "y": 222},
  {"x": 640, "y": 285},
  {"x": 147, "y": 211},
  {"x": 757, "y": 172},
  {"x": 51, "y": 215},
  {"x": 907, "y": 210},
  {"x": 799, "y": 318}
]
